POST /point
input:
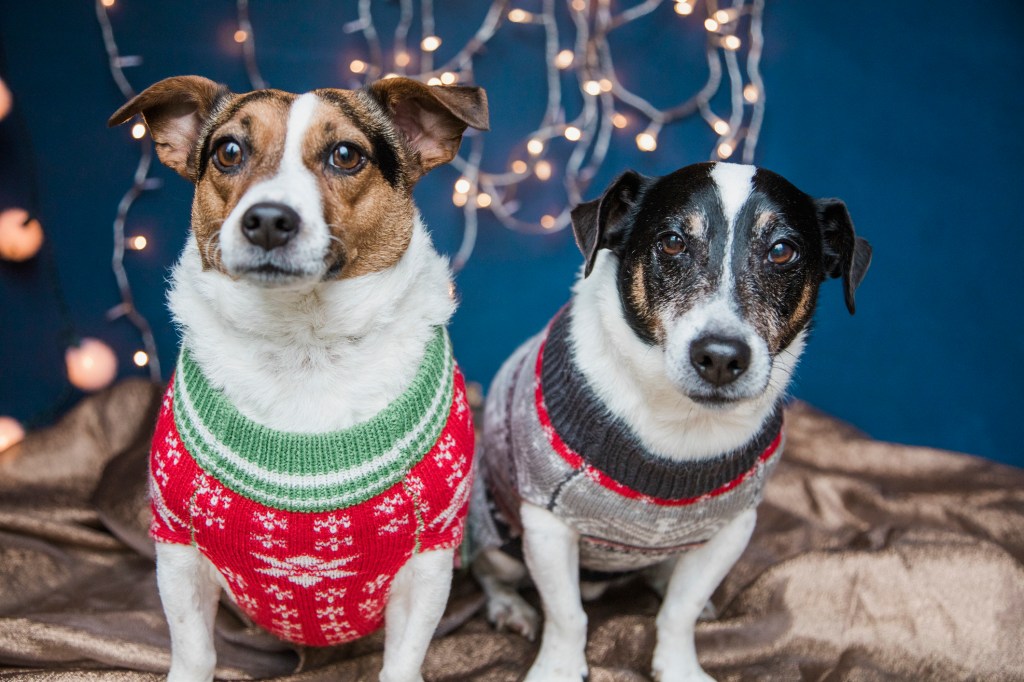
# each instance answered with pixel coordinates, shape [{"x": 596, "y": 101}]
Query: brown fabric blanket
[{"x": 870, "y": 561}]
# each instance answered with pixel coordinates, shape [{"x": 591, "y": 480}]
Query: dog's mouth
[{"x": 716, "y": 401}]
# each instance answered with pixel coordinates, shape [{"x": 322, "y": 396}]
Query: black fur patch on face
[{"x": 384, "y": 153}]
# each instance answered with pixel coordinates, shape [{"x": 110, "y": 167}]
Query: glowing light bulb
[
  {"x": 357, "y": 66},
  {"x": 5, "y": 100},
  {"x": 91, "y": 365},
  {"x": 564, "y": 59},
  {"x": 721, "y": 127},
  {"x": 141, "y": 358},
  {"x": 107, "y": 3},
  {"x": 684, "y": 8},
  {"x": 241, "y": 36},
  {"x": 711, "y": 25},
  {"x": 579, "y": 5},
  {"x": 543, "y": 170},
  {"x": 605, "y": 85},
  {"x": 11, "y": 433},
  {"x": 592, "y": 88},
  {"x": 430, "y": 43},
  {"x": 519, "y": 16},
  {"x": 20, "y": 237},
  {"x": 750, "y": 93},
  {"x": 483, "y": 200},
  {"x": 519, "y": 167},
  {"x": 448, "y": 78},
  {"x": 646, "y": 142},
  {"x": 434, "y": 81},
  {"x": 731, "y": 43},
  {"x": 547, "y": 221},
  {"x": 459, "y": 199},
  {"x": 462, "y": 185},
  {"x": 137, "y": 243},
  {"x": 572, "y": 133},
  {"x": 724, "y": 16},
  {"x": 725, "y": 150},
  {"x": 139, "y": 131},
  {"x": 620, "y": 121},
  {"x": 535, "y": 146},
  {"x": 402, "y": 59}
]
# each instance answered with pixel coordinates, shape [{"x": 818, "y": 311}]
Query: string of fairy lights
[{"x": 494, "y": 183}]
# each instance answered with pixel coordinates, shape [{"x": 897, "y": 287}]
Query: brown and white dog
[
  {"x": 308, "y": 289},
  {"x": 637, "y": 431}
]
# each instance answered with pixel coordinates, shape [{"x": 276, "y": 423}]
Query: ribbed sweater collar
[
  {"x": 605, "y": 442},
  {"x": 314, "y": 472}
]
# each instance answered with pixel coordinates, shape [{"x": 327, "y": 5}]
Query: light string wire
[{"x": 141, "y": 182}]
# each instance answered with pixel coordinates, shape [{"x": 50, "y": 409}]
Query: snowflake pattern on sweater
[{"x": 321, "y": 576}]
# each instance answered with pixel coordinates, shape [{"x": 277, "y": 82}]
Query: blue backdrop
[{"x": 909, "y": 112}]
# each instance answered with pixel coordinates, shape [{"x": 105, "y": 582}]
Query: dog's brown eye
[
  {"x": 345, "y": 157},
  {"x": 228, "y": 154},
  {"x": 671, "y": 244},
  {"x": 782, "y": 253}
]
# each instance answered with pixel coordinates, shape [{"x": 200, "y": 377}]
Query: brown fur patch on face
[
  {"x": 641, "y": 303},
  {"x": 695, "y": 225},
  {"x": 257, "y": 121},
  {"x": 370, "y": 218},
  {"x": 764, "y": 220}
]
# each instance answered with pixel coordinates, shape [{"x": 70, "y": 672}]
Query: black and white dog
[{"x": 636, "y": 432}]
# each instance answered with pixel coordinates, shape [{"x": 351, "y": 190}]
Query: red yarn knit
[{"x": 314, "y": 578}]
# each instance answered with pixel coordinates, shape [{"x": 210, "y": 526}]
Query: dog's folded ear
[
  {"x": 597, "y": 224},
  {"x": 846, "y": 255},
  {"x": 432, "y": 117},
  {"x": 174, "y": 110}
]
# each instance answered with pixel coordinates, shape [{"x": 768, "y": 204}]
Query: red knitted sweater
[{"x": 310, "y": 530}]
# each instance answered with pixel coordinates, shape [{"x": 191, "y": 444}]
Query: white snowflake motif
[
  {"x": 247, "y": 602},
  {"x": 394, "y": 525},
  {"x": 338, "y": 631},
  {"x": 272, "y": 521},
  {"x": 288, "y": 629},
  {"x": 283, "y": 611},
  {"x": 460, "y": 496},
  {"x": 444, "y": 449},
  {"x": 333, "y": 544},
  {"x": 389, "y": 505},
  {"x": 460, "y": 402},
  {"x": 458, "y": 469},
  {"x": 203, "y": 514},
  {"x": 168, "y": 397},
  {"x": 377, "y": 583},
  {"x": 269, "y": 541},
  {"x": 277, "y": 592},
  {"x": 235, "y": 580},
  {"x": 371, "y": 607},
  {"x": 332, "y": 524},
  {"x": 331, "y": 612},
  {"x": 172, "y": 444},
  {"x": 305, "y": 570},
  {"x": 330, "y": 594}
]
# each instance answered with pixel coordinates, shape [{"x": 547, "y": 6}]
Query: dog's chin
[
  {"x": 270, "y": 276},
  {"x": 717, "y": 399}
]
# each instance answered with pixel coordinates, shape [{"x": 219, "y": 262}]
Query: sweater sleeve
[{"x": 169, "y": 484}]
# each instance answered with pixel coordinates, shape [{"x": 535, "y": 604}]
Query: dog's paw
[
  {"x": 557, "y": 668},
  {"x": 511, "y": 612}
]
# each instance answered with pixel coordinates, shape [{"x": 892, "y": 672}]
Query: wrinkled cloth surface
[{"x": 870, "y": 561}]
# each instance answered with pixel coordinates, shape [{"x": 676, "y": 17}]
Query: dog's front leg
[
  {"x": 694, "y": 579},
  {"x": 552, "y": 553},
  {"x": 416, "y": 603},
  {"x": 189, "y": 592}
]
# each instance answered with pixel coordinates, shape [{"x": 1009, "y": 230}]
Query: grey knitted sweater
[{"x": 550, "y": 441}]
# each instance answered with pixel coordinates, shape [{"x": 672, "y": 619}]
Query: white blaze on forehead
[
  {"x": 299, "y": 118},
  {"x": 734, "y": 183}
]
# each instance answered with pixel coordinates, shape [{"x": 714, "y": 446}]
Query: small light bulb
[
  {"x": 448, "y": 78},
  {"x": 430, "y": 43},
  {"x": 646, "y": 142},
  {"x": 725, "y": 150},
  {"x": 462, "y": 185},
  {"x": 711, "y": 25},
  {"x": 721, "y": 127},
  {"x": 547, "y": 221},
  {"x": 684, "y": 8},
  {"x": 434, "y": 81},
  {"x": 11, "y": 433},
  {"x": 519, "y": 16},
  {"x": 535, "y": 146},
  {"x": 21, "y": 236},
  {"x": 579, "y": 5},
  {"x": 91, "y": 365},
  {"x": 572, "y": 133},
  {"x": 108, "y": 3},
  {"x": 750, "y": 93},
  {"x": 139, "y": 131},
  {"x": 5, "y": 100},
  {"x": 138, "y": 242},
  {"x": 519, "y": 167},
  {"x": 402, "y": 59},
  {"x": 592, "y": 88},
  {"x": 731, "y": 43},
  {"x": 723, "y": 16},
  {"x": 357, "y": 66},
  {"x": 141, "y": 358},
  {"x": 241, "y": 36},
  {"x": 542, "y": 170},
  {"x": 459, "y": 199},
  {"x": 605, "y": 85},
  {"x": 483, "y": 200},
  {"x": 564, "y": 59},
  {"x": 620, "y": 121}
]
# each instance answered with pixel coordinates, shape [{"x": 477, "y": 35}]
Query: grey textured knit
[{"x": 671, "y": 505}]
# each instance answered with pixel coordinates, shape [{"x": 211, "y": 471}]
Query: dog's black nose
[
  {"x": 719, "y": 360},
  {"x": 270, "y": 225}
]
